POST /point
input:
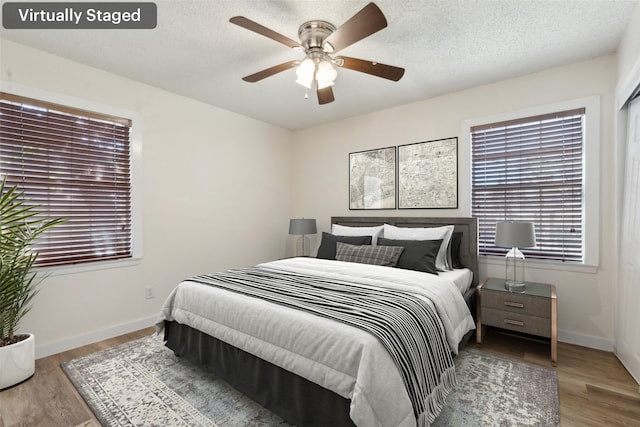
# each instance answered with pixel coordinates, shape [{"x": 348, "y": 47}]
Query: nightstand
[{"x": 533, "y": 312}]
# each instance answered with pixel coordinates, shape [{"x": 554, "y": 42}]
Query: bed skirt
[{"x": 295, "y": 399}]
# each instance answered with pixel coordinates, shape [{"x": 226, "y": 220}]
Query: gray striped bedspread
[{"x": 373, "y": 335}]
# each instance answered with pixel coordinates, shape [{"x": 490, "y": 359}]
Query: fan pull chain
[{"x": 306, "y": 93}]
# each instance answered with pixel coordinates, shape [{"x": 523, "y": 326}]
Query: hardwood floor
[
  {"x": 49, "y": 399},
  {"x": 594, "y": 388}
]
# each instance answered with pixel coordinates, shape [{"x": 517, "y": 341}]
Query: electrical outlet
[{"x": 148, "y": 292}]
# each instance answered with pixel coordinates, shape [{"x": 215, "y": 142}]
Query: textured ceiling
[{"x": 444, "y": 45}]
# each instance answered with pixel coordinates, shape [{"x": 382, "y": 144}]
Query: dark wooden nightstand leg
[
  {"x": 479, "y": 329},
  {"x": 481, "y": 333},
  {"x": 554, "y": 328}
]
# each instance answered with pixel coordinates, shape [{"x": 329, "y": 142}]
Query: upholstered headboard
[{"x": 467, "y": 226}]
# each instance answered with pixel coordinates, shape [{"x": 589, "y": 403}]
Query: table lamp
[
  {"x": 302, "y": 227},
  {"x": 514, "y": 235}
]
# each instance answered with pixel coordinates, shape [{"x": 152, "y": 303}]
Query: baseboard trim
[
  {"x": 586, "y": 341},
  {"x": 95, "y": 336}
]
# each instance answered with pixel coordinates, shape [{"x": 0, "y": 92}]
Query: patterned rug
[{"x": 142, "y": 383}]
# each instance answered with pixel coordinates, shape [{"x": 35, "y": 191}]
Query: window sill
[
  {"x": 91, "y": 266},
  {"x": 543, "y": 265}
]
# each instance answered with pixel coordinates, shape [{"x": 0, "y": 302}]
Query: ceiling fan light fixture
[
  {"x": 325, "y": 74},
  {"x": 320, "y": 41},
  {"x": 324, "y": 84},
  {"x": 305, "y": 72}
]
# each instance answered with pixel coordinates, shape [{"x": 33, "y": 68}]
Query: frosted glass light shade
[
  {"x": 325, "y": 74},
  {"x": 305, "y": 72}
]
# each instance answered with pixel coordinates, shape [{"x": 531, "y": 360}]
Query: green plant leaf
[{"x": 20, "y": 226}]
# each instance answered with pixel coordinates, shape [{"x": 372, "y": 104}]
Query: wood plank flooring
[
  {"x": 49, "y": 399},
  {"x": 594, "y": 388}
]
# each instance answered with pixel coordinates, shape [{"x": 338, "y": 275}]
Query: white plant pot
[{"x": 17, "y": 362}]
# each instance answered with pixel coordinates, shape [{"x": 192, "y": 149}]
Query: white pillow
[
  {"x": 344, "y": 230},
  {"x": 431, "y": 233}
]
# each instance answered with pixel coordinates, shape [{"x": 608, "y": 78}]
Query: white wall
[
  {"x": 629, "y": 58},
  {"x": 233, "y": 173},
  {"x": 320, "y": 168},
  {"x": 216, "y": 195}
]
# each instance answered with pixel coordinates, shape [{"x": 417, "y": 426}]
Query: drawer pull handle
[
  {"x": 514, "y": 322},
  {"x": 514, "y": 304}
]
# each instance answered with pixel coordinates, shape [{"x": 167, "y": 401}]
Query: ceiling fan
[{"x": 321, "y": 41}]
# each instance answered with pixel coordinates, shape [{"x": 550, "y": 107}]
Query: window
[
  {"x": 532, "y": 169},
  {"x": 75, "y": 164}
]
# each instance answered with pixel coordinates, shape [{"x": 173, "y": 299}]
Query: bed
[{"x": 323, "y": 367}]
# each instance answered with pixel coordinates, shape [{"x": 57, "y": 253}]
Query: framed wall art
[
  {"x": 428, "y": 175},
  {"x": 372, "y": 179}
]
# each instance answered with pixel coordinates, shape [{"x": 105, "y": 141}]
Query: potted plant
[{"x": 20, "y": 225}]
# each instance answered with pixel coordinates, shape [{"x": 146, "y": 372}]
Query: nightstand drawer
[
  {"x": 533, "y": 325},
  {"x": 516, "y": 303}
]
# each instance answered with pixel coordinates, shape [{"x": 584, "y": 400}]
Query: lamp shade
[
  {"x": 325, "y": 74},
  {"x": 305, "y": 72},
  {"x": 515, "y": 234},
  {"x": 302, "y": 226}
]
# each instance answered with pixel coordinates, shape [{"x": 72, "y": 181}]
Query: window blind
[
  {"x": 74, "y": 164},
  {"x": 531, "y": 169}
]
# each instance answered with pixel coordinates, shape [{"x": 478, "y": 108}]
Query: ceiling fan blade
[
  {"x": 270, "y": 71},
  {"x": 262, "y": 30},
  {"x": 325, "y": 95},
  {"x": 374, "y": 68},
  {"x": 364, "y": 23}
]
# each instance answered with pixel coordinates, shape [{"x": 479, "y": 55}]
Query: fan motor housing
[{"x": 313, "y": 33}]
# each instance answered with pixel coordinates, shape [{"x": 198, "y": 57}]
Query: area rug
[{"x": 142, "y": 383}]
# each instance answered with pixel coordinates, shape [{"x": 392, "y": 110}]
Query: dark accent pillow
[
  {"x": 454, "y": 250},
  {"x": 376, "y": 255},
  {"x": 418, "y": 255},
  {"x": 327, "y": 249}
]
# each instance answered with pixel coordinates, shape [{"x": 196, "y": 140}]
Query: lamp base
[
  {"x": 302, "y": 246},
  {"x": 515, "y": 287}
]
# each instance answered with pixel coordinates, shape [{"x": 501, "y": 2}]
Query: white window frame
[
  {"x": 136, "y": 171},
  {"x": 591, "y": 191}
]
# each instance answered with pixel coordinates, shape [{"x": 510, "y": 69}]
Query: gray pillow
[
  {"x": 454, "y": 250},
  {"x": 327, "y": 249},
  {"x": 376, "y": 255},
  {"x": 418, "y": 255}
]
